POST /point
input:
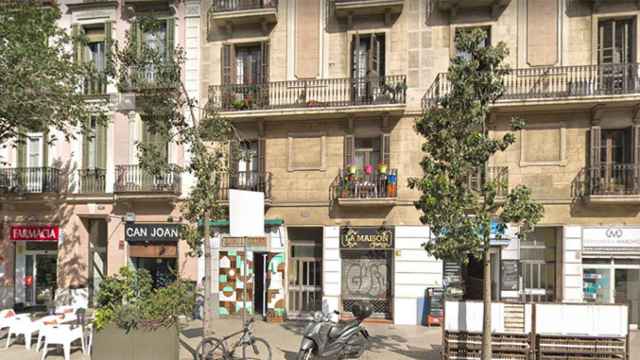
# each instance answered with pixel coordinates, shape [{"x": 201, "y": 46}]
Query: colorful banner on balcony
[
  {"x": 370, "y": 238},
  {"x": 152, "y": 233},
  {"x": 34, "y": 232}
]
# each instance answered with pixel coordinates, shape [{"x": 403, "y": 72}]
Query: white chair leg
[
  {"x": 9, "y": 338},
  {"x": 27, "y": 340},
  {"x": 67, "y": 351},
  {"x": 84, "y": 347},
  {"x": 39, "y": 343},
  {"x": 45, "y": 350}
]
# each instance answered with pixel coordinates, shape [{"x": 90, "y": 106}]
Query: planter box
[{"x": 114, "y": 343}]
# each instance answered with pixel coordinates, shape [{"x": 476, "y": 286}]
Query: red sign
[{"x": 35, "y": 232}]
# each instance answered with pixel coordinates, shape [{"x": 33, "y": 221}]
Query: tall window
[
  {"x": 367, "y": 151},
  {"x": 95, "y": 145},
  {"x": 368, "y": 55},
  {"x": 538, "y": 263},
  {"x": 245, "y": 63},
  {"x": 616, "y": 41},
  {"x": 94, "y": 50},
  {"x": 248, "y": 64}
]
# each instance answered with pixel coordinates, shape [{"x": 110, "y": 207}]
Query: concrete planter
[{"x": 114, "y": 343}]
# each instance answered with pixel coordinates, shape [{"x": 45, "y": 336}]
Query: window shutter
[
  {"x": 21, "y": 153},
  {"x": 170, "y": 38},
  {"x": 101, "y": 151},
  {"x": 227, "y": 62},
  {"x": 348, "y": 150},
  {"x": 355, "y": 43},
  {"x": 85, "y": 145},
  {"x": 45, "y": 148},
  {"x": 77, "y": 44},
  {"x": 108, "y": 42},
  {"x": 385, "y": 141},
  {"x": 262, "y": 147},
  {"x": 596, "y": 145},
  {"x": 134, "y": 37},
  {"x": 264, "y": 62},
  {"x": 233, "y": 156}
]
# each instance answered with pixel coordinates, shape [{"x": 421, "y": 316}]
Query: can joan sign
[{"x": 152, "y": 232}]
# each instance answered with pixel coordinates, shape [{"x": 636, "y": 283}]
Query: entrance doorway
[
  {"x": 305, "y": 271},
  {"x": 41, "y": 278},
  {"x": 260, "y": 261},
  {"x": 162, "y": 270},
  {"x": 97, "y": 255}
]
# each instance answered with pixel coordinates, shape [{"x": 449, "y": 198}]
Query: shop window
[
  {"x": 538, "y": 263},
  {"x": 305, "y": 270}
]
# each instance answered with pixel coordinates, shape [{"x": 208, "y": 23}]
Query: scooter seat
[{"x": 341, "y": 327}]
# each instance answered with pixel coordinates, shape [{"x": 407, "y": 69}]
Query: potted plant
[
  {"x": 368, "y": 169},
  {"x": 382, "y": 168},
  {"x": 135, "y": 321},
  {"x": 352, "y": 169}
]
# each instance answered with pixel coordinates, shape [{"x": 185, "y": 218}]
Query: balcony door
[
  {"x": 245, "y": 67},
  {"x": 616, "y": 51},
  {"x": 35, "y": 175},
  {"x": 247, "y": 165},
  {"x": 615, "y": 156},
  {"x": 367, "y": 66}
]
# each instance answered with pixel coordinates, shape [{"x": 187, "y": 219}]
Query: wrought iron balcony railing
[
  {"x": 30, "y": 180},
  {"x": 238, "y": 5},
  {"x": 92, "y": 180},
  {"x": 499, "y": 174},
  {"x": 608, "y": 179},
  {"x": 553, "y": 83},
  {"x": 95, "y": 84},
  {"x": 380, "y": 184},
  {"x": 245, "y": 180},
  {"x": 316, "y": 93},
  {"x": 132, "y": 178}
]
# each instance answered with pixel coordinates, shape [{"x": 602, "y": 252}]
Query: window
[
  {"x": 367, "y": 151},
  {"x": 157, "y": 140},
  {"x": 94, "y": 50},
  {"x": 245, "y": 63},
  {"x": 616, "y": 41},
  {"x": 156, "y": 38},
  {"x": 615, "y": 146},
  {"x": 34, "y": 150},
  {"x": 487, "y": 40},
  {"x": 95, "y": 145},
  {"x": 368, "y": 56},
  {"x": 538, "y": 261}
]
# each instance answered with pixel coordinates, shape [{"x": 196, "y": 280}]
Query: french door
[
  {"x": 40, "y": 277},
  {"x": 616, "y": 52}
]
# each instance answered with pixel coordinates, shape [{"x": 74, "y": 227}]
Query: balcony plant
[
  {"x": 352, "y": 169},
  {"x": 135, "y": 321},
  {"x": 368, "y": 169},
  {"x": 382, "y": 168}
]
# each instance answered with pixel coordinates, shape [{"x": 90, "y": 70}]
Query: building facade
[{"x": 324, "y": 95}]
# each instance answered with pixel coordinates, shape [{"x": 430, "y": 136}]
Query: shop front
[
  {"x": 367, "y": 268},
  {"x": 36, "y": 259},
  {"x": 154, "y": 247},
  {"x": 611, "y": 267}
]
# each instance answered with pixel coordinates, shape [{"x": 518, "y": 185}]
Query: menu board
[
  {"x": 436, "y": 301},
  {"x": 510, "y": 275}
]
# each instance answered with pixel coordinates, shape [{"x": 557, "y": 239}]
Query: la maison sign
[
  {"x": 137, "y": 233},
  {"x": 611, "y": 237},
  {"x": 367, "y": 238},
  {"x": 34, "y": 232}
]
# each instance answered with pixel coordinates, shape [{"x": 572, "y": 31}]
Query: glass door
[
  {"x": 627, "y": 291},
  {"x": 597, "y": 285},
  {"x": 46, "y": 281}
]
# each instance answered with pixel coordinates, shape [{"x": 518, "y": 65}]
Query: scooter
[{"x": 324, "y": 338}]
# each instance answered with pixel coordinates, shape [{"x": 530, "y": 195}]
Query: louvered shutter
[
  {"x": 227, "y": 62},
  {"x": 101, "y": 142},
  {"x": 264, "y": 62},
  {"x": 262, "y": 147},
  {"x": 45, "y": 148},
  {"x": 170, "y": 38},
  {"x": 78, "y": 49},
  {"x": 134, "y": 37},
  {"x": 355, "y": 44},
  {"x": 21, "y": 153},
  {"x": 348, "y": 150},
  {"x": 385, "y": 147},
  {"x": 85, "y": 144},
  {"x": 234, "y": 147},
  {"x": 596, "y": 146},
  {"x": 108, "y": 42}
]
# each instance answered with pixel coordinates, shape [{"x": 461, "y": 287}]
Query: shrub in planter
[{"x": 135, "y": 321}]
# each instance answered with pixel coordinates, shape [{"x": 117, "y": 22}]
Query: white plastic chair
[
  {"x": 6, "y": 317},
  {"x": 63, "y": 335},
  {"x": 22, "y": 325},
  {"x": 43, "y": 324}
]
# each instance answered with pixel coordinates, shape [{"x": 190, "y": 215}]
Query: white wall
[
  {"x": 414, "y": 272},
  {"x": 572, "y": 264},
  {"x": 331, "y": 269}
]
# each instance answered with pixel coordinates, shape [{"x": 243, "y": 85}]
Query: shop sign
[
  {"x": 367, "y": 238},
  {"x": 152, "y": 232},
  {"x": 240, "y": 241},
  {"x": 611, "y": 237},
  {"x": 34, "y": 232},
  {"x": 509, "y": 275}
]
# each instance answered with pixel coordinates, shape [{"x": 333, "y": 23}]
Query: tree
[
  {"x": 40, "y": 79},
  {"x": 152, "y": 72},
  {"x": 458, "y": 145}
]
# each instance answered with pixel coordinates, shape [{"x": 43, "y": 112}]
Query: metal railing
[
  {"x": 315, "y": 93},
  {"x": 608, "y": 179},
  {"x": 30, "y": 180},
  {"x": 132, "y": 178},
  {"x": 549, "y": 83},
  {"x": 358, "y": 185},
  {"x": 245, "y": 180},
  {"x": 236, "y": 5},
  {"x": 95, "y": 84},
  {"x": 92, "y": 180},
  {"x": 153, "y": 77},
  {"x": 499, "y": 174}
]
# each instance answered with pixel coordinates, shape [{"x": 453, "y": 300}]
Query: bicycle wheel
[
  {"x": 211, "y": 349},
  {"x": 259, "y": 349}
]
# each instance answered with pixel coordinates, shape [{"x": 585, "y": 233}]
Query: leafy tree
[
  {"x": 40, "y": 79},
  {"x": 154, "y": 75},
  {"x": 457, "y": 144}
]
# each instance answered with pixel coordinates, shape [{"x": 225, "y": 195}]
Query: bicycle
[{"x": 253, "y": 348}]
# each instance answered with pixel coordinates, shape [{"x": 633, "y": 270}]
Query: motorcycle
[{"x": 324, "y": 338}]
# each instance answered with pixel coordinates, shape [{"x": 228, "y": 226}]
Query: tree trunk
[
  {"x": 486, "y": 300},
  {"x": 207, "y": 319}
]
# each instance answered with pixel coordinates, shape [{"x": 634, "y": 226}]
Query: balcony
[
  {"x": 564, "y": 84},
  {"x": 609, "y": 184},
  {"x": 95, "y": 85},
  {"x": 246, "y": 180},
  {"x": 499, "y": 174},
  {"x": 29, "y": 180},
  {"x": 92, "y": 181},
  {"x": 453, "y": 6},
  {"x": 152, "y": 78},
  {"x": 387, "y": 93},
  {"x": 345, "y": 8},
  {"x": 226, "y": 13},
  {"x": 357, "y": 188},
  {"x": 132, "y": 180}
]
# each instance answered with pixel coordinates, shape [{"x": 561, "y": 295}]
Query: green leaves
[{"x": 460, "y": 194}]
